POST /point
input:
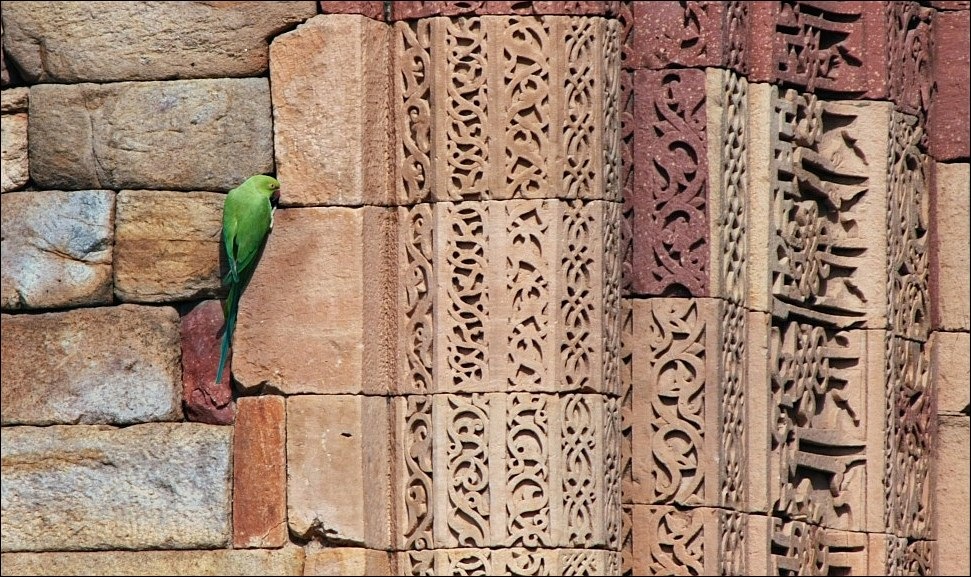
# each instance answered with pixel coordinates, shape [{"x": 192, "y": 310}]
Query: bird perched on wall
[{"x": 247, "y": 220}]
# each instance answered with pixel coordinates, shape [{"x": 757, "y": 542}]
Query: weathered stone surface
[
  {"x": 203, "y": 398},
  {"x": 953, "y": 495},
  {"x": 946, "y": 5},
  {"x": 13, "y": 152},
  {"x": 370, "y": 9},
  {"x": 177, "y": 135},
  {"x": 950, "y": 367},
  {"x": 696, "y": 34},
  {"x": 260, "y": 473},
  {"x": 286, "y": 561},
  {"x": 152, "y": 486},
  {"x": 346, "y": 561},
  {"x": 57, "y": 248},
  {"x": 110, "y": 41},
  {"x": 949, "y": 119},
  {"x": 167, "y": 245},
  {"x": 316, "y": 317},
  {"x": 408, "y": 10},
  {"x": 115, "y": 365},
  {"x": 333, "y": 146},
  {"x": 14, "y": 100},
  {"x": 338, "y": 469},
  {"x": 950, "y": 261},
  {"x": 670, "y": 229}
]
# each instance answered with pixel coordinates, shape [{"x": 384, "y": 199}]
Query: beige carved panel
[{"x": 513, "y": 561}]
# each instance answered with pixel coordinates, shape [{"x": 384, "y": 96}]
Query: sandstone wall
[{"x": 553, "y": 288}]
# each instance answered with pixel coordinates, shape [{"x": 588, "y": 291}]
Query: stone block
[
  {"x": 260, "y": 473},
  {"x": 667, "y": 540},
  {"x": 409, "y": 10},
  {"x": 891, "y": 555},
  {"x": 204, "y": 399},
  {"x": 72, "y": 42},
  {"x": 694, "y": 35},
  {"x": 338, "y": 469},
  {"x": 949, "y": 118},
  {"x": 152, "y": 486},
  {"x": 176, "y": 135},
  {"x": 953, "y": 495},
  {"x": 14, "y": 100},
  {"x": 950, "y": 261},
  {"x": 466, "y": 134},
  {"x": 509, "y": 561},
  {"x": 111, "y": 365},
  {"x": 167, "y": 245},
  {"x": 57, "y": 249},
  {"x": 509, "y": 296},
  {"x": 950, "y": 370},
  {"x": 370, "y": 9},
  {"x": 13, "y": 152},
  {"x": 316, "y": 317},
  {"x": 947, "y": 5},
  {"x": 333, "y": 146},
  {"x": 286, "y": 561},
  {"x": 346, "y": 561},
  {"x": 507, "y": 470},
  {"x": 815, "y": 254}
]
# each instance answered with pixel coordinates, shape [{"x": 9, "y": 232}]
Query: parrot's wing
[
  {"x": 252, "y": 226},
  {"x": 230, "y": 227}
]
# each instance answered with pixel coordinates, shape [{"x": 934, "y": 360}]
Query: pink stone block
[
  {"x": 412, "y": 10},
  {"x": 260, "y": 473},
  {"x": 370, "y": 9},
  {"x": 949, "y": 119},
  {"x": 204, "y": 399}
]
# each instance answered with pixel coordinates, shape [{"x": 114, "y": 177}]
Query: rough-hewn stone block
[
  {"x": 57, "y": 248},
  {"x": 153, "y": 486},
  {"x": 338, "y": 469},
  {"x": 950, "y": 259},
  {"x": 326, "y": 328},
  {"x": 950, "y": 370},
  {"x": 953, "y": 494},
  {"x": 177, "y": 135},
  {"x": 333, "y": 145},
  {"x": 71, "y": 42},
  {"x": 204, "y": 399},
  {"x": 13, "y": 152},
  {"x": 14, "y": 100},
  {"x": 370, "y": 9},
  {"x": 260, "y": 473},
  {"x": 949, "y": 119},
  {"x": 286, "y": 561},
  {"x": 167, "y": 245},
  {"x": 115, "y": 365},
  {"x": 346, "y": 561}
]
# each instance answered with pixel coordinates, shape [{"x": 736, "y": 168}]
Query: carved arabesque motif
[
  {"x": 800, "y": 548},
  {"x": 417, "y": 285},
  {"x": 413, "y": 92}
]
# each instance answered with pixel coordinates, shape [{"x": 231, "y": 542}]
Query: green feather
[{"x": 247, "y": 219}]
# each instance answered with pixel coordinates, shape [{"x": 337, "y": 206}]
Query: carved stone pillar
[{"x": 506, "y": 419}]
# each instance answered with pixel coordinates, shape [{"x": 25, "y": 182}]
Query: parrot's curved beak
[{"x": 275, "y": 197}]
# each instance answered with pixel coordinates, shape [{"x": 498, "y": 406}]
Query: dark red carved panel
[
  {"x": 370, "y": 9},
  {"x": 410, "y": 10},
  {"x": 693, "y": 34},
  {"x": 670, "y": 233}
]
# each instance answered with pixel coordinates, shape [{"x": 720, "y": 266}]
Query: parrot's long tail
[{"x": 229, "y": 312}]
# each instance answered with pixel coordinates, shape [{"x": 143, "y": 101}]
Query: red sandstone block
[
  {"x": 411, "y": 10},
  {"x": 370, "y": 9},
  {"x": 951, "y": 5},
  {"x": 949, "y": 119},
  {"x": 260, "y": 473},
  {"x": 694, "y": 34},
  {"x": 205, "y": 400},
  {"x": 670, "y": 230}
]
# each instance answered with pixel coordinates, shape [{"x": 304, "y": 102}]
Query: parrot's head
[{"x": 266, "y": 185}]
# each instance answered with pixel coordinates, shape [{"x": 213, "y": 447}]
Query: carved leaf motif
[{"x": 467, "y": 458}]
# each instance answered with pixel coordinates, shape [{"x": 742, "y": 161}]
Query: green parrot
[{"x": 247, "y": 220}]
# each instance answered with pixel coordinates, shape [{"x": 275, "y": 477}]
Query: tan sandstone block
[
  {"x": 13, "y": 152},
  {"x": 950, "y": 370},
  {"x": 952, "y": 231},
  {"x": 259, "y": 473},
  {"x": 331, "y": 111},
  {"x": 113, "y": 41},
  {"x": 661, "y": 535},
  {"x": 953, "y": 495},
  {"x": 346, "y": 561},
  {"x": 316, "y": 315},
  {"x": 338, "y": 469},
  {"x": 167, "y": 245},
  {"x": 14, "y": 100},
  {"x": 286, "y": 561},
  {"x": 105, "y": 365}
]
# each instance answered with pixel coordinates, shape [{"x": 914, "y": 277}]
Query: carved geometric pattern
[
  {"x": 507, "y": 470},
  {"x": 504, "y": 107},
  {"x": 520, "y": 295},
  {"x": 800, "y": 548},
  {"x": 828, "y": 184},
  {"x": 671, "y": 227}
]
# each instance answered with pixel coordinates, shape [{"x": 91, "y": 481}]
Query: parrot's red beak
[{"x": 275, "y": 197}]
